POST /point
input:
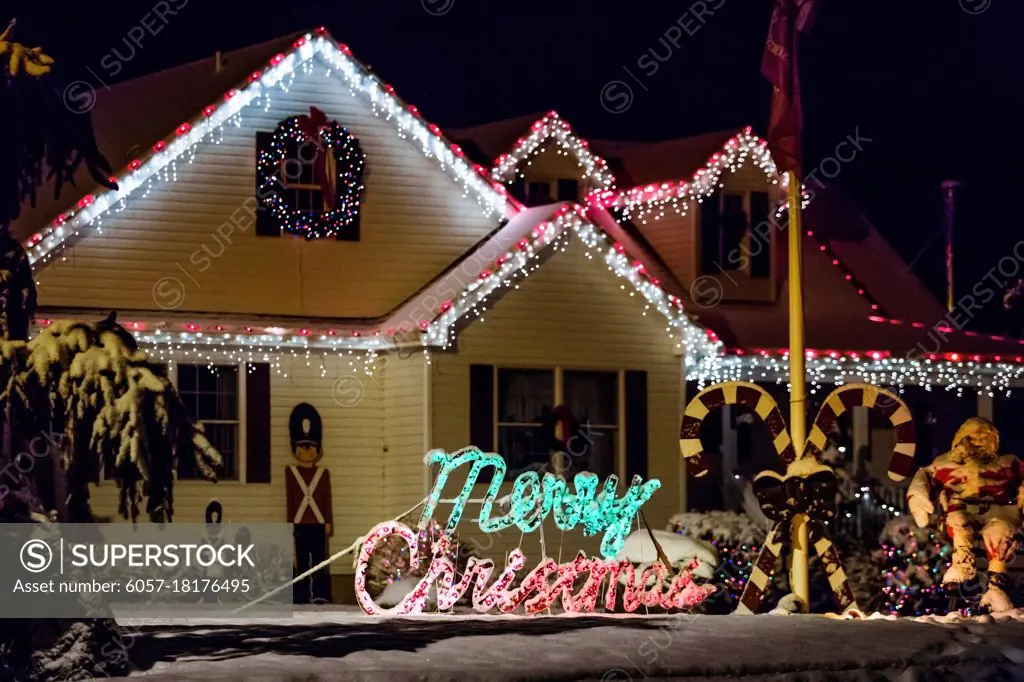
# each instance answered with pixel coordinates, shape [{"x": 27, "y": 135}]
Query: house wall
[
  {"x": 573, "y": 313},
  {"x": 415, "y": 221},
  {"x": 404, "y": 380},
  {"x": 551, "y": 164},
  {"x": 676, "y": 238},
  {"x": 355, "y": 431}
]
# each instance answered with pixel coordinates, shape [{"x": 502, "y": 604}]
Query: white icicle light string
[
  {"x": 517, "y": 264},
  {"x": 553, "y": 128},
  {"x": 989, "y": 378},
  {"x": 161, "y": 163},
  {"x": 657, "y": 198}
]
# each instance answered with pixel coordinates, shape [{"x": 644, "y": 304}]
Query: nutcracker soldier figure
[
  {"x": 978, "y": 490},
  {"x": 310, "y": 508}
]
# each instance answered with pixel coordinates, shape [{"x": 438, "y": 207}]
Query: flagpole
[{"x": 799, "y": 579}]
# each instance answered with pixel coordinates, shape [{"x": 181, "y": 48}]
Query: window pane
[
  {"x": 523, "y": 447},
  {"x": 592, "y": 396},
  {"x": 524, "y": 395},
  {"x": 734, "y": 227},
  {"x": 599, "y": 455},
  {"x": 224, "y": 437},
  {"x": 568, "y": 190},
  {"x": 761, "y": 235},
  {"x": 187, "y": 377},
  {"x": 212, "y": 396}
]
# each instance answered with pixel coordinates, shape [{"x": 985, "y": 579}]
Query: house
[{"x": 439, "y": 300}]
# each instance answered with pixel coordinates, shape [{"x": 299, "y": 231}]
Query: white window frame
[
  {"x": 559, "y": 371},
  {"x": 172, "y": 375}
]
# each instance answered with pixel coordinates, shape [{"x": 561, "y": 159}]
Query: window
[
  {"x": 297, "y": 176},
  {"x": 525, "y": 419},
  {"x": 593, "y": 398},
  {"x": 525, "y": 399},
  {"x": 309, "y": 179},
  {"x": 735, "y": 234},
  {"x": 568, "y": 190},
  {"x": 538, "y": 193},
  {"x": 211, "y": 395}
]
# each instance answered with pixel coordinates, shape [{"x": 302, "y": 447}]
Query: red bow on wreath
[{"x": 324, "y": 173}]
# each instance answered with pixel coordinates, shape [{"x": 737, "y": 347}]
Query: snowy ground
[{"x": 341, "y": 645}]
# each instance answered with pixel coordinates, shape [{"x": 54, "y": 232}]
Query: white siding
[
  {"x": 415, "y": 221},
  {"x": 353, "y": 441},
  {"x": 404, "y": 381},
  {"x": 573, "y": 313}
]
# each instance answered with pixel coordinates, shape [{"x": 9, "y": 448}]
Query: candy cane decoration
[
  {"x": 733, "y": 393},
  {"x": 836, "y": 403},
  {"x": 762, "y": 571},
  {"x": 886, "y": 403}
]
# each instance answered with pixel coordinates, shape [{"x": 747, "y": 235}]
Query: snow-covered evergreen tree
[{"x": 77, "y": 395}]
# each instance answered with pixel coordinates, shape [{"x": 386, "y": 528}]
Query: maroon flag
[{"x": 780, "y": 66}]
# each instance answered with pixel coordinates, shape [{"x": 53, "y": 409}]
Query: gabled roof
[
  {"x": 130, "y": 117},
  {"x": 181, "y": 138},
  {"x": 508, "y": 143},
  {"x": 496, "y": 264}
]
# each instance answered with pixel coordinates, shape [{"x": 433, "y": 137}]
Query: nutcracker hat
[{"x": 305, "y": 426}]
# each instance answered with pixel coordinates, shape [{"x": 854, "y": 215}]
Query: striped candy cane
[
  {"x": 883, "y": 401},
  {"x": 764, "y": 405}
]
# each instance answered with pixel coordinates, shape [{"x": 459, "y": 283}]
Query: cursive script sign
[
  {"x": 534, "y": 499},
  {"x": 544, "y": 586}
]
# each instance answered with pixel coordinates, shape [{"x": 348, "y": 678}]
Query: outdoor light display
[
  {"x": 533, "y": 498},
  {"x": 338, "y": 163},
  {"x": 552, "y": 128},
  {"x": 707, "y": 360},
  {"x": 809, "y": 487}
]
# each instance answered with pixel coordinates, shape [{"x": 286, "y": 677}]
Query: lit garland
[
  {"x": 914, "y": 560},
  {"x": 517, "y": 264},
  {"x": 553, "y": 128},
  {"x": 160, "y": 165},
  {"x": 877, "y": 368},
  {"x": 348, "y": 162},
  {"x": 653, "y": 201}
]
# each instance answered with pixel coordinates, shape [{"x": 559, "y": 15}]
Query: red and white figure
[
  {"x": 309, "y": 503},
  {"x": 978, "y": 491}
]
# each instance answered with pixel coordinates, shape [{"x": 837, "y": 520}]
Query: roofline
[
  {"x": 65, "y": 228},
  {"x": 552, "y": 126}
]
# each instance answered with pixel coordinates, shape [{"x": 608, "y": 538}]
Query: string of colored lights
[
  {"x": 349, "y": 162},
  {"x": 160, "y": 164},
  {"x": 517, "y": 264},
  {"x": 553, "y": 128},
  {"x": 654, "y": 201},
  {"x": 877, "y": 368}
]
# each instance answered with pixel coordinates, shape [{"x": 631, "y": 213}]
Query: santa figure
[
  {"x": 309, "y": 504},
  {"x": 979, "y": 491}
]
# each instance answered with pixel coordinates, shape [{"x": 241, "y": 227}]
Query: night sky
[{"x": 937, "y": 85}]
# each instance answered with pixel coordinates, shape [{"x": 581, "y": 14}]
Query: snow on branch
[{"x": 92, "y": 381}]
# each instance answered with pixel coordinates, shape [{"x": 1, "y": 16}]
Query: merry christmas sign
[{"x": 533, "y": 499}]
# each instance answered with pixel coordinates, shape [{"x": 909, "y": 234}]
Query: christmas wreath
[{"x": 338, "y": 165}]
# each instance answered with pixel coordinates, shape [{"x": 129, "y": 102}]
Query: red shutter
[
  {"x": 257, "y": 423},
  {"x": 636, "y": 424},
  {"x": 481, "y": 407}
]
